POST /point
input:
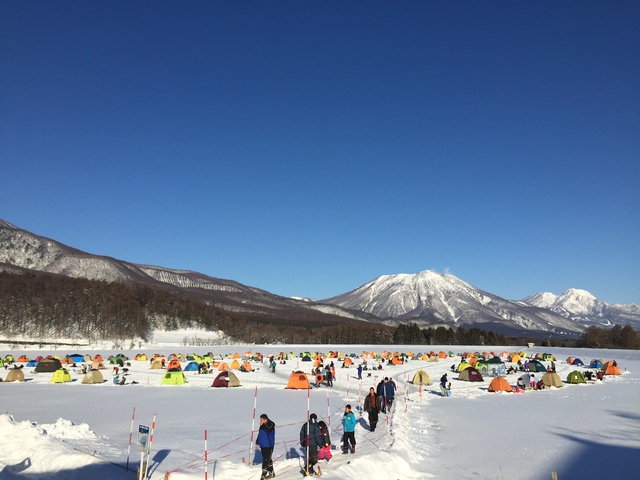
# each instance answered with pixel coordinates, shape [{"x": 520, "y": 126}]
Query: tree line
[{"x": 49, "y": 306}]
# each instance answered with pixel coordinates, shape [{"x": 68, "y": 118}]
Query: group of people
[
  {"x": 327, "y": 373},
  {"x": 314, "y": 437}
]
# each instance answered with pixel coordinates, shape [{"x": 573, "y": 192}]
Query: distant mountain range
[{"x": 428, "y": 298}]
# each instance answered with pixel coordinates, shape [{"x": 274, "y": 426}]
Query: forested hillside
[{"x": 39, "y": 306}]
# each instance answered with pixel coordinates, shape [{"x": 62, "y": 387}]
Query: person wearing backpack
[{"x": 312, "y": 441}]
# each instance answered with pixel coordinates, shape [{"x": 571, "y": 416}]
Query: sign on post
[{"x": 143, "y": 438}]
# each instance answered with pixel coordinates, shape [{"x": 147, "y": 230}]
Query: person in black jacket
[
  {"x": 265, "y": 442},
  {"x": 371, "y": 407},
  {"x": 312, "y": 441}
]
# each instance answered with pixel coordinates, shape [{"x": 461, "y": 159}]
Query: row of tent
[{"x": 193, "y": 366}]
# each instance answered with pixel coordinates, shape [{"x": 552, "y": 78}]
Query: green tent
[
  {"x": 576, "y": 377},
  {"x": 61, "y": 375},
  {"x": 174, "y": 378}
]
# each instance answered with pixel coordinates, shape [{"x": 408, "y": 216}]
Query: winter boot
[{"x": 353, "y": 449}]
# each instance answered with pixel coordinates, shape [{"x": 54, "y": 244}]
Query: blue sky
[{"x": 308, "y": 147}]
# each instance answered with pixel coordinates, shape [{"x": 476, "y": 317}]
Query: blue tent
[
  {"x": 596, "y": 364},
  {"x": 577, "y": 362},
  {"x": 32, "y": 363},
  {"x": 191, "y": 367},
  {"x": 76, "y": 357}
]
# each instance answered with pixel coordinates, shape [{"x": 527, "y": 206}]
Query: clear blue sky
[{"x": 308, "y": 147}]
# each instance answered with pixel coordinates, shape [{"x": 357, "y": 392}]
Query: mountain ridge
[{"x": 428, "y": 298}]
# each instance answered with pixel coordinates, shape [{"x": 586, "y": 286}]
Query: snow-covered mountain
[
  {"x": 21, "y": 250},
  {"x": 583, "y": 307},
  {"x": 442, "y": 299}
]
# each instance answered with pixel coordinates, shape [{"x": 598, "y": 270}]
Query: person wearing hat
[
  {"x": 349, "y": 426},
  {"x": 312, "y": 441}
]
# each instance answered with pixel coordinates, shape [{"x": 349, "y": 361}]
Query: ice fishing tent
[
  {"x": 156, "y": 365},
  {"x": 576, "y": 377},
  {"x": 32, "y": 363},
  {"x": 595, "y": 363},
  {"x": 174, "y": 378},
  {"x": 421, "y": 378},
  {"x": 192, "y": 367},
  {"x": 298, "y": 380},
  {"x": 61, "y": 375},
  {"x": 551, "y": 379},
  {"x": 577, "y": 362},
  {"x": 15, "y": 375},
  {"x": 470, "y": 375},
  {"x": 463, "y": 365},
  {"x": 174, "y": 366},
  {"x": 92, "y": 376},
  {"x": 246, "y": 367},
  {"x": 22, "y": 359},
  {"x": 97, "y": 365},
  {"x": 526, "y": 379},
  {"x": 226, "y": 379},
  {"x": 536, "y": 366},
  {"x": 611, "y": 368},
  {"x": 235, "y": 365},
  {"x": 48, "y": 365},
  {"x": 223, "y": 366},
  {"x": 491, "y": 367},
  {"x": 499, "y": 384}
]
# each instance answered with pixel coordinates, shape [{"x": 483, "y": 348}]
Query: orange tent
[
  {"x": 223, "y": 366},
  {"x": 442, "y": 355},
  {"x": 396, "y": 361},
  {"x": 23, "y": 358},
  {"x": 236, "y": 355},
  {"x": 66, "y": 361},
  {"x": 174, "y": 365},
  {"x": 235, "y": 365},
  {"x": 499, "y": 384},
  {"x": 298, "y": 380},
  {"x": 98, "y": 358},
  {"x": 611, "y": 368},
  {"x": 348, "y": 361},
  {"x": 247, "y": 366}
]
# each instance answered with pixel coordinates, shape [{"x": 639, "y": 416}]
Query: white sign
[{"x": 143, "y": 438}]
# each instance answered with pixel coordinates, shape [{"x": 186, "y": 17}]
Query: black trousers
[
  {"x": 267, "y": 462},
  {"x": 373, "y": 419},
  {"x": 348, "y": 437}
]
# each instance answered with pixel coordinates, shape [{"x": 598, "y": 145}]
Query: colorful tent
[
  {"x": 551, "y": 379},
  {"x": 298, "y": 380},
  {"x": 48, "y": 365},
  {"x": 174, "y": 378},
  {"x": 61, "y": 375},
  {"x": 226, "y": 379},
  {"x": 536, "y": 366},
  {"x": 192, "y": 367},
  {"x": 93, "y": 376},
  {"x": 470, "y": 375},
  {"x": 576, "y": 377},
  {"x": 421, "y": 378},
  {"x": 499, "y": 384},
  {"x": 611, "y": 368},
  {"x": 15, "y": 375}
]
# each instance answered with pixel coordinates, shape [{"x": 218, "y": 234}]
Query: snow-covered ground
[{"x": 78, "y": 431}]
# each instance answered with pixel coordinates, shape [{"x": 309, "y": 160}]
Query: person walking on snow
[
  {"x": 265, "y": 442},
  {"x": 371, "y": 407},
  {"x": 349, "y": 426}
]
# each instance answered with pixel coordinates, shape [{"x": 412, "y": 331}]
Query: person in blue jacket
[
  {"x": 349, "y": 426},
  {"x": 265, "y": 442}
]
